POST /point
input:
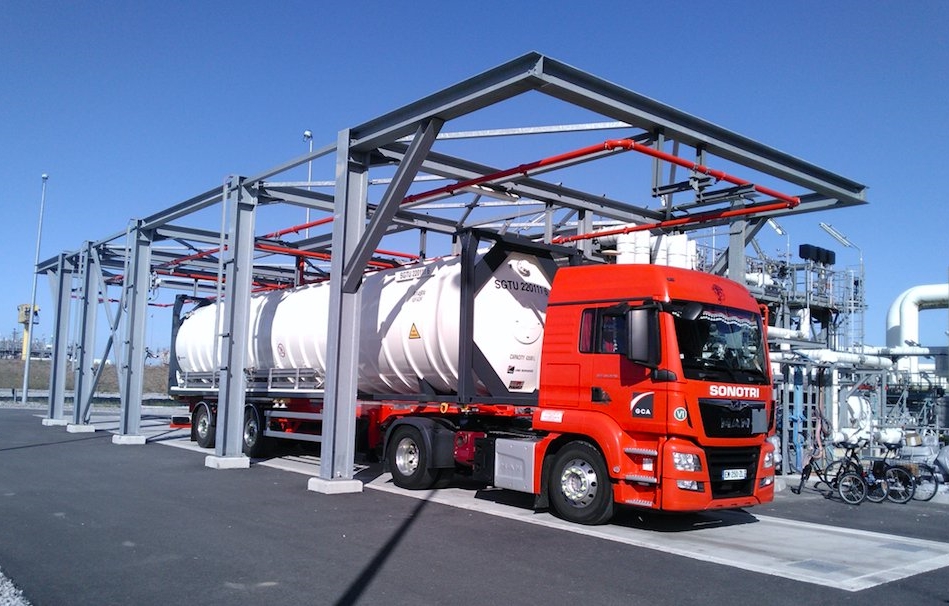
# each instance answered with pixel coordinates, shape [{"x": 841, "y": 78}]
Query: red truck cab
[{"x": 655, "y": 391}]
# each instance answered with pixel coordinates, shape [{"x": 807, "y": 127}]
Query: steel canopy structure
[{"x": 427, "y": 195}]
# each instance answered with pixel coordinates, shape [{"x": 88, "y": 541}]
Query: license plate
[{"x": 734, "y": 474}]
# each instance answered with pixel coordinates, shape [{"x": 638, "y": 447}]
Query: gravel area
[{"x": 9, "y": 594}]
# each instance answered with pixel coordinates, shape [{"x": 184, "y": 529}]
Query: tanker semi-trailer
[{"x": 587, "y": 386}]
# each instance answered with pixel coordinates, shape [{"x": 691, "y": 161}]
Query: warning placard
[{"x": 413, "y": 332}]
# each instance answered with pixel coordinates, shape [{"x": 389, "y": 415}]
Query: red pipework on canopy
[{"x": 707, "y": 216}]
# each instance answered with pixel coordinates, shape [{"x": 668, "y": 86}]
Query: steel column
[
  {"x": 85, "y": 370},
  {"x": 342, "y": 342},
  {"x": 60, "y": 281},
  {"x": 736, "y": 250},
  {"x": 239, "y": 265},
  {"x": 132, "y": 363},
  {"x": 382, "y": 217}
]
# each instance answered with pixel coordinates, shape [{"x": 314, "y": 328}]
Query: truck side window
[
  {"x": 587, "y": 323},
  {"x": 601, "y": 332},
  {"x": 612, "y": 334}
]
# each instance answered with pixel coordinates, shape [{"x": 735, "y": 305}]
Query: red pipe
[
  {"x": 695, "y": 166},
  {"x": 610, "y": 145},
  {"x": 521, "y": 169},
  {"x": 708, "y": 216},
  {"x": 299, "y": 228}
]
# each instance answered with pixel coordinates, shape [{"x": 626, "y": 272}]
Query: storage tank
[{"x": 409, "y": 327}]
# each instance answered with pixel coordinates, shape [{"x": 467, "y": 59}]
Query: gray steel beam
[
  {"x": 389, "y": 205},
  {"x": 60, "y": 280},
  {"x": 88, "y": 297},
  {"x": 502, "y": 82},
  {"x": 457, "y": 168},
  {"x": 585, "y": 90},
  {"x": 239, "y": 266},
  {"x": 132, "y": 362},
  {"x": 190, "y": 234},
  {"x": 342, "y": 342}
]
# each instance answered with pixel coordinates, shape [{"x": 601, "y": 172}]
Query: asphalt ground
[{"x": 86, "y": 521}]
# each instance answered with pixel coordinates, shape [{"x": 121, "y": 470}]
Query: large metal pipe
[{"x": 902, "y": 319}]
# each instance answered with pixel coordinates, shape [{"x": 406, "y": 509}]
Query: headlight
[
  {"x": 685, "y": 461},
  {"x": 766, "y": 481},
  {"x": 768, "y": 460}
]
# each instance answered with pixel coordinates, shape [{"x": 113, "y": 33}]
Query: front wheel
[
  {"x": 927, "y": 483},
  {"x": 852, "y": 488},
  {"x": 580, "y": 487}
]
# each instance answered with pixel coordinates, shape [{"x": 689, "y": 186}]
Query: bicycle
[
  {"x": 900, "y": 483},
  {"x": 928, "y": 476},
  {"x": 835, "y": 470},
  {"x": 856, "y": 483}
]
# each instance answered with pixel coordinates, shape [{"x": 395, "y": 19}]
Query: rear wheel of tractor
[
  {"x": 409, "y": 459},
  {"x": 204, "y": 427},
  {"x": 852, "y": 488},
  {"x": 254, "y": 441},
  {"x": 579, "y": 485}
]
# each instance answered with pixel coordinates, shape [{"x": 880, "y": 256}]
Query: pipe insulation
[{"x": 902, "y": 319}]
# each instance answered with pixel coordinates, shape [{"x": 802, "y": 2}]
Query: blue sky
[{"x": 131, "y": 107}]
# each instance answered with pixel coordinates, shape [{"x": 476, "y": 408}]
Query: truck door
[{"x": 617, "y": 384}]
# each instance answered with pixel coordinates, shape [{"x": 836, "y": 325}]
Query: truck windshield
[{"x": 720, "y": 344}]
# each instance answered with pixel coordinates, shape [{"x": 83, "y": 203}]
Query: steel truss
[{"x": 404, "y": 146}]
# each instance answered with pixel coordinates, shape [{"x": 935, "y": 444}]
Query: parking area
[{"x": 86, "y": 521}]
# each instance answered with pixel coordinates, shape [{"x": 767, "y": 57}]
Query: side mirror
[{"x": 642, "y": 326}]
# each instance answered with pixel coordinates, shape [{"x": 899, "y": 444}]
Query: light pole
[
  {"x": 32, "y": 310},
  {"x": 308, "y": 137},
  {"x": 845, "y": 241}
]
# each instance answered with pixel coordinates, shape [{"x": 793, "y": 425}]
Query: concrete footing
[
  {"x": 55, "y": 422},
  {"x": 74, "y": 428},
  {"x": 128, "y": 439},
  {"x": 334, "y": 486},
  {"x": 215, "y": 462}
]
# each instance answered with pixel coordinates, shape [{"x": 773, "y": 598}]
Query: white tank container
[{"x": 409, "y": 327}]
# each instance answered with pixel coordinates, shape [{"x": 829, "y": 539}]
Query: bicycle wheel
[
  {"x": 900, "y": 485},
  {"x": 877, "y": 490},
  {"x": 836, "y": 469},
  {"x": 851, "y": 488},
  {"x": 927, "y": 483}
]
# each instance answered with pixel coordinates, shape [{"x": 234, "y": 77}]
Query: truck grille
[
  {"x": 722, "y": 459},
  {"x": 732, "y": 418}
]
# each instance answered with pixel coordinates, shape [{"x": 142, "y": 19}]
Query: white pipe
[
  {"x": 902, "y": 319},
  {"x": 911, "y": 302},
  {"x": 830, "y": 356},
  {"x": 786, "y": 333}
]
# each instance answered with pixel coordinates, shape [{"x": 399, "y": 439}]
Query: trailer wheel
[
  {"x": 254, "y": 442},
  {"x": 203, "y": 422},
  {"x": 409, "y": 459},
  {"x": 580, "y": 488}
]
